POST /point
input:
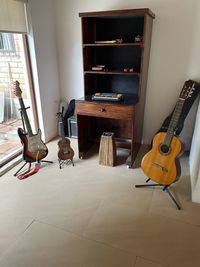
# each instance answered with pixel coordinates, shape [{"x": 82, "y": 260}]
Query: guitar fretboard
[
  {"x": 174, "y": 121},
  {"x": 25, "y": 117}
]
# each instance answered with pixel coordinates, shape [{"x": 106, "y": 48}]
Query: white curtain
[{"x": 13, "y": 16}]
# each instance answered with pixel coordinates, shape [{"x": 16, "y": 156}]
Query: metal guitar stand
[
  {"x": 26, "y": 162},
  {"x": 65, "y": 162},
  {"x": 165, "y": 188}
]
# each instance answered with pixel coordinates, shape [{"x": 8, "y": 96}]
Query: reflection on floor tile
[
  {"x": 155, "y": 237},
  {"x": 42, "y": 245},
  {"x": 140, "y": 262},
  {"x": 11, "y": 227},
  {"x": 91, "y": 215}
]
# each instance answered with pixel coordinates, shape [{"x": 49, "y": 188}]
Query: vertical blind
[{"x": 13, "y": 16}]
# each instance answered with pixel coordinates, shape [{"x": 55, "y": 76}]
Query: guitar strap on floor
[{"x": 29, "y": 171}]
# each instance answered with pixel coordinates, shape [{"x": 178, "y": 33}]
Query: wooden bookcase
[{"x": 124, "y": 118}]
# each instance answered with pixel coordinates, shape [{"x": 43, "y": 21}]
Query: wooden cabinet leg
[{"x": 134, "y": 151}]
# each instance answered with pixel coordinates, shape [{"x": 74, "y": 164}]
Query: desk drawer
[{"x": 105, "y": 110}]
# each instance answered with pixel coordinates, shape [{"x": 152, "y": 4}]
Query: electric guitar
[
  {"x": 65, "y": 151},
  {"x": 161, "y": 163},
  {"x": 34, "y": 149}
]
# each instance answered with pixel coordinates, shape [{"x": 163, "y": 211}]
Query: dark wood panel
[
  {"x": 88, "y": 30},
  {"x": 126, "y": 84},
  {"x": 120, "y": 128},
  {"x": 125, "y": 28},
  {"x": 112, "y": 72},
  {"x": 105, "y": 110},
  {"x": 114, "y": 44},
  {"x": 122, "y": 12}
]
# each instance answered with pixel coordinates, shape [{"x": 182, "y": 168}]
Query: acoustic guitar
[
  {"x": 65, "y": 151},
  {"x": 161, "y": 163},
  {"x": 34, "y": 149}
]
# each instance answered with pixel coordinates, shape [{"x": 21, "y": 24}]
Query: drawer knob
[{"x": 103, "y": 110}]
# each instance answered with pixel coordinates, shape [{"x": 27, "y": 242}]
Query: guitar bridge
[{"x": 159, "y": 167}]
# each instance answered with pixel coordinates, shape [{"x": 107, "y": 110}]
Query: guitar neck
[
  {"x": 25, "y": 117},
  {"x": 62, "y": 129},
  {"x": 174, "y": 121}
]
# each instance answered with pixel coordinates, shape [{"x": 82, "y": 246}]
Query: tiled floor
[{"x": 93, "y": 216}]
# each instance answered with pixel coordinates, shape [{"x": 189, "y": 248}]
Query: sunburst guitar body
[
  {"x": 161, "y": 164},
  {"x": 34, "y": 149}
]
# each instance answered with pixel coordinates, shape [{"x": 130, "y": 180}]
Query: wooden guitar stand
[{"x": 165, "y": 188}]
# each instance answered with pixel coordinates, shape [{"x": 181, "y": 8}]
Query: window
[
  {"x": 7, "y": 43},
  {"x": 14, "y": 65}
]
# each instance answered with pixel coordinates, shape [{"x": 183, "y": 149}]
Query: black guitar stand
[
  {"x": 65, "y": 162},
  {"x": 26, "y": 162},
  {"x": 165, "y": 188}
]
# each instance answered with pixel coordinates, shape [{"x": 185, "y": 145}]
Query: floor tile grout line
[
  {"x": 175, "y": 219},
  {"x": 83, "y": 237},
  {"x": 135, "y": 261},
  {"x": 101, "y": 243},
  {"x": 169, "y": 217},
  {"x": 33, "y": 220},
  {"x": 15, "y": 240},
  {"x": 149, "y": 209},
  {"x": 87, "y": 226},
  {"x": 152, "y": 198},
  {"x": 162, "y": 265}
]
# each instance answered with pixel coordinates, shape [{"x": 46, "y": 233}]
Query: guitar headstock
[
  {"x": 59, "y": 115},
  {"x": 17, "y": 90},
  {"x": 187, "y": 90}
]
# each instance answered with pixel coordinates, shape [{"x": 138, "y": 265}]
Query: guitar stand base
[
  {"x": 65, "y": 162},
  {"x": 26, "y": 162},
  {"x": 165, "y": 188}
]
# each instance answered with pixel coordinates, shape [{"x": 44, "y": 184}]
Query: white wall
[
  {"x": 195, "y": 161},
  {"x": 171, "y": 63},
  {"x": 44, "y": 63},
  {"x": 174, "y": 58},
  {"x": 195, "y": 148}
]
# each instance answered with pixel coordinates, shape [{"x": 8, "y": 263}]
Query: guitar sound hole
[{"x": 164, "y": 149}]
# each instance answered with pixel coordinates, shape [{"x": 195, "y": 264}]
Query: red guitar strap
[{"x": 29, "y": 172}]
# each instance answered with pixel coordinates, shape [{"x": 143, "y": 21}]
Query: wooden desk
[{"x": 94, "y": 118}]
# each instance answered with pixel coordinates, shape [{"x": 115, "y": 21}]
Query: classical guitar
[
  {"x": 65, "y": 151},
  {"x": 161, "y": 163},
  {"x": 34, "y": 149}
]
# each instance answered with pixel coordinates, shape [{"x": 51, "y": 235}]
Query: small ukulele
[
  {"x": 34, "y": 149},
  {"x": 65, "y": 152},
  {"x": 161, "y": 163}
]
